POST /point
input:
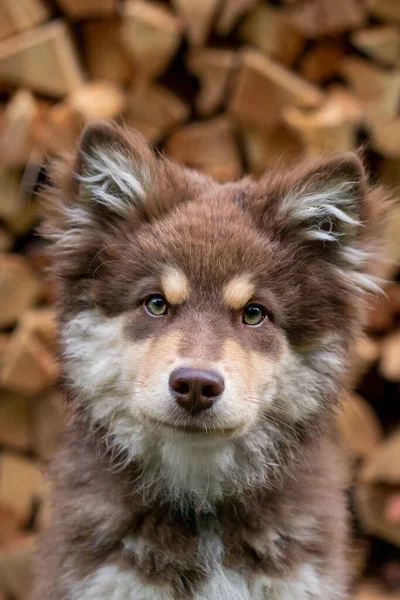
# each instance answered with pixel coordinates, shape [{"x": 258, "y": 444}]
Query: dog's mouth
[{"x": 193, "y": 429}]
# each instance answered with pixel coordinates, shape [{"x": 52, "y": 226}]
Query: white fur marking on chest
[{"x": 112, "y": 583}]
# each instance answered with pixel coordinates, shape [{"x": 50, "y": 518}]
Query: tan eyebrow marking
[
  {"x": 238, "y": 291},
  {"x": 175, "y": 285}
]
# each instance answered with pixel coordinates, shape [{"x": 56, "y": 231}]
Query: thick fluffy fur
[{"x": 245, "y": 500}]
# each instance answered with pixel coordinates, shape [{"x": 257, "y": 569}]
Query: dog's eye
[
  {"x": 156, "y": 305},
  {"x": 253, "y": 315}
]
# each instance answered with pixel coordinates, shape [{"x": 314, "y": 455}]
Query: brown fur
[{"x": 213, "y": 233}]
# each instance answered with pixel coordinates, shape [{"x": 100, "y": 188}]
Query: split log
[
  {"x": 151, "y": 35},
  {"x": 372, "y": 501},
  {"x": 18, "y": 16},
  {"x": 359, "y": 427},
  {"x": 387, "y": 10},
  {"x": 385, "y": 137},
  {"x": 6, "y": 239},
  {"x": 214, "y": 69},
  {"x": 384, "y": 466},
  {"x": 317, "y": 18},
  {"x": 373, "y": 590},
  {"x": 265, "y": 149},
  {"x": 267, "y": 28},
  {"x": 43, "y": 324},
  {"x": 19, "y": 289},
  {"x": 83, "y": 9},
  {"x": 109, "y": 59},
  {"x": 262, "y": 88},
  {"x": 322, "y": 61},
  {"x": 330, "y": 128},
  {"x": 389, "y": 366},
  {"x": 10, "y": 198},
  {"x": 58, "y": 129},
  {"x": 197, "y": 18},
  {"x": 16, "y": 140},
  {"x": 97, "y": 99},
  {"x": 47, "y": 423},
  {"x": 21, "y": 484},
  {"x": 230, "y": 13},
  {"x": 9, "y": 526},
  {"x": 154, "y": 111},
  {"x": 30, "y": 367},
  {"x": 377, "y": 90},
  {"x": 42, "y": 59},
  {"x": 209, "y": 146},
  {"x": 16, "y": 567},
  {"x": 15, "y": 421},
  {"x": 380, "y": 42},
  {"x": 364, "y": 355}
]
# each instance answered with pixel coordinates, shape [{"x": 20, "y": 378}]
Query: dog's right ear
[{"x": 114, "y": 169}]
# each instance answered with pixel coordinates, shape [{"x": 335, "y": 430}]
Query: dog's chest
[{"x": 112, "y": 582}]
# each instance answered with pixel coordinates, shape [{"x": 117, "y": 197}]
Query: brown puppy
[{"x": 205, "y": 333}]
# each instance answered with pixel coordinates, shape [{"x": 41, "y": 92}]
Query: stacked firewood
[{"x": 228, "y": 87}]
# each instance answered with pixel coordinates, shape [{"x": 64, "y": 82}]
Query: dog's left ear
[
  {"x": 327, "y": 202},
  {"x": 114, "y": 168}
]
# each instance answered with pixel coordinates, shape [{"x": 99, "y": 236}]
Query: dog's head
[{"x": 201, "y": 311}]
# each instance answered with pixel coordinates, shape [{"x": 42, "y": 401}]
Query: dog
[{"x": 205, "y": 332}]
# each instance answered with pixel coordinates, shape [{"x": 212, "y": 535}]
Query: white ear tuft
[
  {"x": 113, "y": 170},
  {"x": 329, "y": 206}
]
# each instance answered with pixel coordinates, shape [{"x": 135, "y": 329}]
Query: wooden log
[
  {"x": 322, "y": 61},
  {"x": 30, "y": 367},
  {"x": 384, "y": 466},
  {"x": 18, "y": 16},
  {"x": 389, "y": 366},
  {"x": 330, "y": 128},
  {"x": 267, "y": 28},
  {"x": 360, "y": 430},
  {"x": 42, "y": 59},
  {"x": 106, "y": 60},
  {"x": 377, "y": 90},
  {"x": 42, "y": 322},
  {"x": 385, "y": 137},
  {"x": 21, "y": 483},
  {"x": 155, "y": 111},
  {"x": 19, "y": 289},
  {"x": 47, "y": 421},
  {"x": 6, "y": 240},
  {"x": 97, "y": 99},
  {"x": 214, "y": 69},
  {"x": 264, "y": 149},
  {"x": 197, "y": 18},
  {"x": 151, "y": 35},
  {"x": 16, "y": 140},
  {"x": 381, "y": 43},
  {"x": 17, "y": 568},
  {"x": 365, "y": 354},
  {"x": 262, "y": 88},
  {"x": 230, "y": 13},
  {"x": 15, "y": 421},
  {"x": 84, "y": 9},
  {"x": 386, "y": 10},
  {"x": 317, "y": 18},
  {"x": 372, "y": 500},
  {"x": 11, "y": 202},
  {"x": 209, "y": 146},
  {"x": 374, "y": 590},
  {"x": 9, "y": 526},
  {"x": 58, "y": 129}
]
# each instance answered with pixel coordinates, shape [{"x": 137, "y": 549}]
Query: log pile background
[{"x": 226, "y": 86}]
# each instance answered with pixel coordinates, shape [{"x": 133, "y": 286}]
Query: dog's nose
[{"x": 195, "y": 389}]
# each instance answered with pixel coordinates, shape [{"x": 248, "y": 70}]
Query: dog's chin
[{"x": 197, "y": 431}]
